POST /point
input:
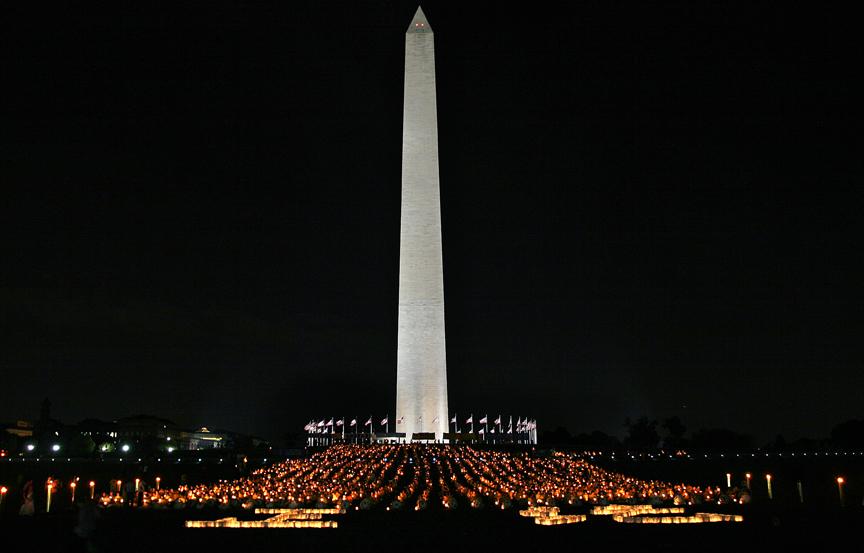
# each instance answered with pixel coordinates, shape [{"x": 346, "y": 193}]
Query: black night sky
[{"x": 648, "y": 209}]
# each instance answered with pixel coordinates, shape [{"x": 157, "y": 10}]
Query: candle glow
[{"x": 409, "y": 476}]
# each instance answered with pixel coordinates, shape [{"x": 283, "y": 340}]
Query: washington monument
[{"x": 421, "y": 366}]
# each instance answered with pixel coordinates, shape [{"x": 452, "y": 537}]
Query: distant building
[
  {"x": 99, "y": 431},
  {"x": 204, "y": 439},
  {"x": 139, "y": 435},
  {"x": 14, "y": 436},
  {"x": 138, "y": 427},
  {"x": 20, "y": 429}
]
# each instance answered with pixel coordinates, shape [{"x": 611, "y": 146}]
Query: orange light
[
  {"x": 840, "y": 480},
  {"x": 3, "y": 490},
  {"x": 72, "y": 485}
]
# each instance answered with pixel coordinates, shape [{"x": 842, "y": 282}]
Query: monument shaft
[{"x": 421, "y": 380}]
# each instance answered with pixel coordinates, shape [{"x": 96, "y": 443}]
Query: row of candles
[
  {"x": 769, "y": 484},
  {"x": 51, "y": 487}
]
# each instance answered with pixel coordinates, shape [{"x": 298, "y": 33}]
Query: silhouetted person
[
  {"x": 128, "y": 492},
  {"x": 27, "y": 506},
  {"x": 85, "y": 529}
]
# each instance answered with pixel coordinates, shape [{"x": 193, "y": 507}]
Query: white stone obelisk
[{"x": 421, "y": 367}]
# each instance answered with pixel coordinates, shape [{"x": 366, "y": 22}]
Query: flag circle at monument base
[{"x": 332, "y": 431}]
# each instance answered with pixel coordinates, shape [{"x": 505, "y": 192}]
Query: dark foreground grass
[{"x": 123, "y": 530}]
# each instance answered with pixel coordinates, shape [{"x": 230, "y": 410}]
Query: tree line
[{"x": 670, "y": 434}]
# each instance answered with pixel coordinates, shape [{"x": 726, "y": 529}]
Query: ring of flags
[{"x": 522, "y": 425}]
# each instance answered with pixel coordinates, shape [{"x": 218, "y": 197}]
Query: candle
[
  {"x": 73, "y": 485},
  {"x": 800, "y": 492},
  {"x": 748, "y": 476},
  {"x": 92, "y": 488},
  {"x": 840, "y": 482},
  {"x": 158, "y": 479},
  {"x": 770, "y": 490},
  {"x": 3, "y": 491},
  {"x": 728, "y": 479},
  {"x": 50, "y": 489}
]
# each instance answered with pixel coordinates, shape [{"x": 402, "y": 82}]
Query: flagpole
[
  {"x": 525, "y": 430},
  {"x": 518, "y": 430}
]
